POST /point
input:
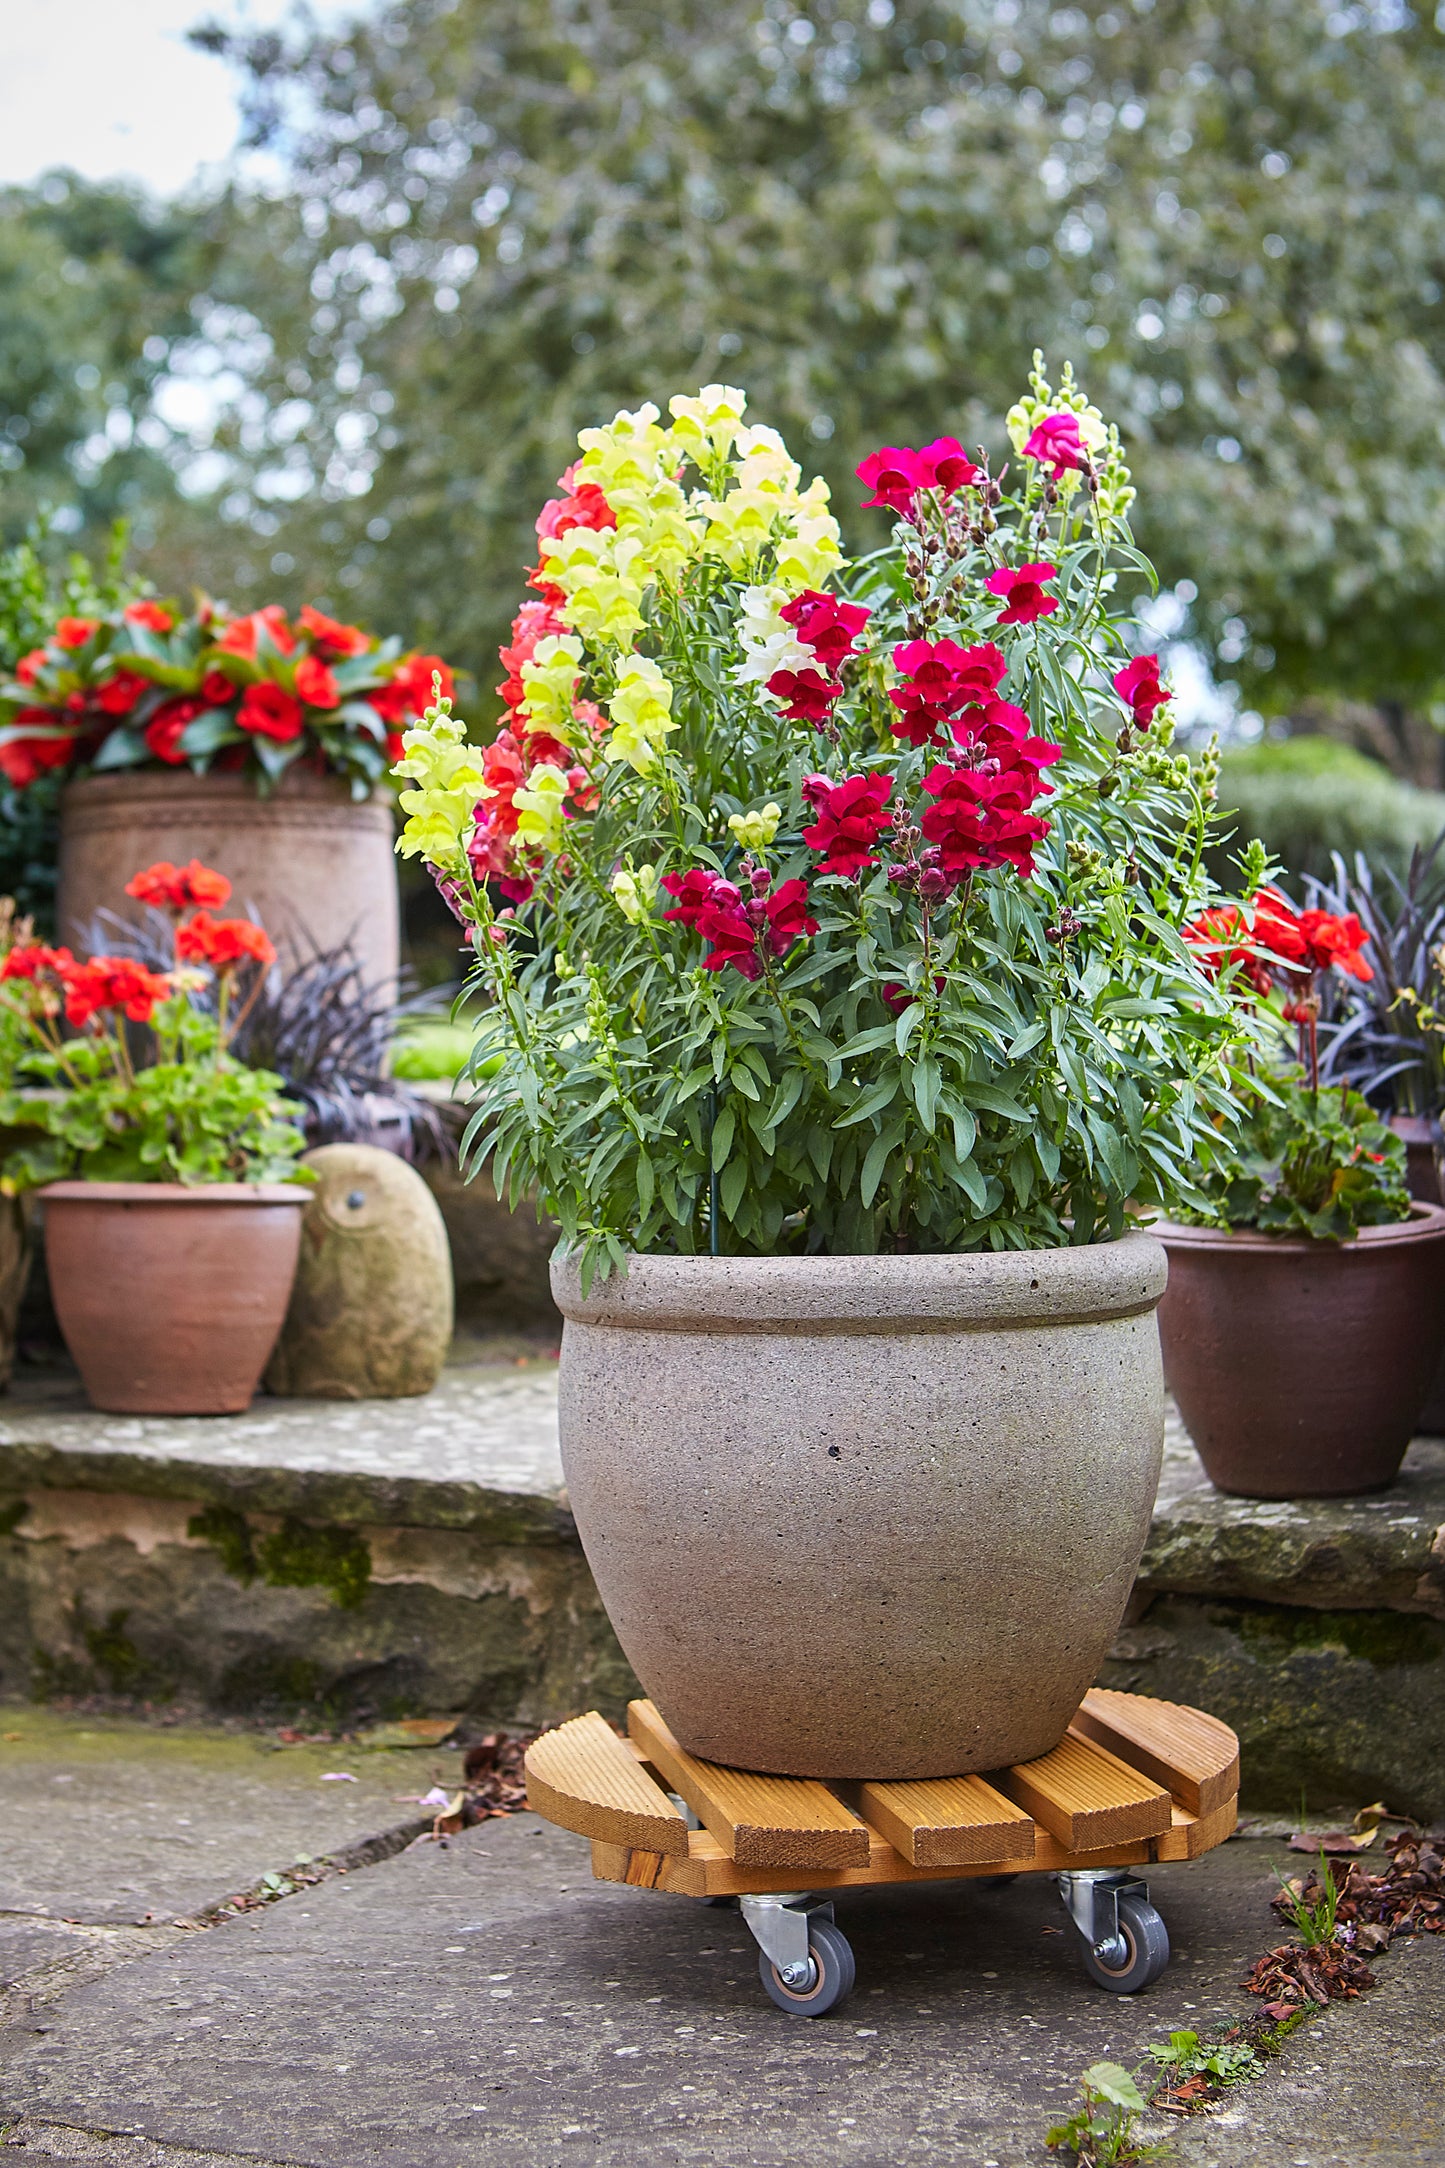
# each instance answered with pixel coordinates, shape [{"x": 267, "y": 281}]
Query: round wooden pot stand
[{"x": 1134, "y": 1780}]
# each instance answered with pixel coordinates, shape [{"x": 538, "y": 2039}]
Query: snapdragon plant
[{"x": 827, "y": 907}]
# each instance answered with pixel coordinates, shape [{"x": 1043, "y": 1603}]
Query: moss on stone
[
  {"x": 12, "y": 1513},
  {"x": 300, "y": 1556},
  {"x": 229, "y": 1535},
  {"x": 1382, "y": 1638}
]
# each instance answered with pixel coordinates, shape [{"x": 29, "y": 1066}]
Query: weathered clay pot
[
  {"x": 865, "y": 1516},
  {"x": 170, "y": 1299},
  {"x": 371, "y": 1309},
  {"x": 1300, "y": 1367},
  {"x": 318, "y": 866}
]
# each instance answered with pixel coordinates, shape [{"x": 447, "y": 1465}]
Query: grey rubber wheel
[
  {"x": 1146, "y": 1949},
  {"x": 833, "y": 1973}
]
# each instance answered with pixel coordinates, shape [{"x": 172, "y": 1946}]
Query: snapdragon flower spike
[
  {"x": 738, "y": 929},
  {"x": 851, "y": 817},
  {"x": 807, "y": 696},
  {"x": 1138, "y": 686},
  {"x": 981, "y": 814},
  {"x": 1022, "y": 589},
  {"x": 939, "y": 679},
  {"x": 827, "y": 625},
  {"x": 896, "y": 475}
]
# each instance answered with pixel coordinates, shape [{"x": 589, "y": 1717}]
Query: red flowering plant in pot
[
  {"x": 830, "y": 918},
  {"x": 166, "y": 1168},
  {"x": 153, "y": 684},
  {"x": 1306, "y": 1306}
]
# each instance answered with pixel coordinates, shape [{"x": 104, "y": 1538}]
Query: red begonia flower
[
  {"x": 75, "y": 631},
  {"x": 164, "y": 731},
  {"x": 850, "y": 820},
  {"x": 266, "y": 711},
  {"x": 1221, "y": 936},
  {"x": 217, "y": 690},
  {"x": 119, "y": 694},
  {"x": 239, "y": 637},
  {"x": 1137, "y": 684},
  {"x": 1022, "y": 589},
  {"x": 316, "y": 683},
  {"x": 330, "y": 639},
  {"x": 30, "y": 666},
  {"x": 24, "y": 760}
]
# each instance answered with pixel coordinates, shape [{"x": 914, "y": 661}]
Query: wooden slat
[
  {"x": 1087, "y": 1797},
  {"x": 1190, "y": 1835},
  {"x": 583, "y": 1777},
  {"x": 759, "y": 1821},
  {"x": 1191, "y": 1754},
  {"x": 709, "y": 1872},
  {"x": 948, "y": 1821}
]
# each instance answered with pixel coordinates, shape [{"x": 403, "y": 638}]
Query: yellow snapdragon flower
[
  {"x": 600, "y": 571},
  {"x": 541, "y": 807},
  {"x": 814, "y": 548},
  {"x": 641, "y": 712},
  {"x": 550, "y": 677},
  {"x": 709, "y": 424},
  {"x": 755, "y": 831},
  {"x": 449, "y": 780},
  {"x": 635, "y": 891}
]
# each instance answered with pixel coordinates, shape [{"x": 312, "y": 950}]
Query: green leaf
[{"x": 1112, "y": 2082}]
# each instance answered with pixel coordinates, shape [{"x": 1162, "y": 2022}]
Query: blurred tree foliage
[{"x": 496, "y": 223}]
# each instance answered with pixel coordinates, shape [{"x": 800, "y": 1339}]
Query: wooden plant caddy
[{"x": 1133, "y": 1781}]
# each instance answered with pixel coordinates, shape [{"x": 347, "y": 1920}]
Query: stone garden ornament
[{"x": 831, "y": 919}]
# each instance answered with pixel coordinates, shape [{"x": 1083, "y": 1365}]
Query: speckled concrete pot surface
[{"x": 866, "y": 1516}]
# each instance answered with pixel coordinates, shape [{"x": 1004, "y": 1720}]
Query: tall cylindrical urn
[
  {"x": 317, "y": 864},
  {"x": 866, "y": 1516}
]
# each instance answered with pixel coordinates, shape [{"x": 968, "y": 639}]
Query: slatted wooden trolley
[{"x": 1133, "y": 1781}]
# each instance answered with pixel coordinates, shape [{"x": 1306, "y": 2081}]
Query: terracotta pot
[
  {"x": 170, "y": 1299},
  {"x": 1300, "y": 1367},
  {"x": 317, "y": 865},
  {"x": 865, "y": 1516}
]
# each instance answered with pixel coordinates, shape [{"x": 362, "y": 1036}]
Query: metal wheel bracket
[
  {"x": 779, "y": 1926},
  {"x": 1090, "y": 1896}
]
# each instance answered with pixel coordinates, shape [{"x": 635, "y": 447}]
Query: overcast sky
[{"x": 110, "y": 87}]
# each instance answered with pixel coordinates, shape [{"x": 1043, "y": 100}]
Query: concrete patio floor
[{"x": 483, "y": 2001}]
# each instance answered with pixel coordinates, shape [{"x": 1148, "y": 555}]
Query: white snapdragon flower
[{"x": 767, "y": 643}]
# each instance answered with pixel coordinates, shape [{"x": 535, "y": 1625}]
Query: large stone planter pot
[
  {"x": 865, "y": 1516},
  {"x": 1300, "y": 1367},
  {"x": 318, "y": 865},
  {"x": 170, "y": 1299}
]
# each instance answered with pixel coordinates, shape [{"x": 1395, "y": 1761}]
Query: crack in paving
[{"x": 118, "y": 2149}]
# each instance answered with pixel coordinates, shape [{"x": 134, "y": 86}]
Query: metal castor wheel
[
  {"x": 1126, "y": 1944},
  {"x": 826, "y": 1976},
  {"x": 805, "y": 1961}
]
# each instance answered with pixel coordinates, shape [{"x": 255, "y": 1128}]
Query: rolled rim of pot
[
  {"x": 1425, "y": 1224},
  {"x": 926, "y": 1292},
  {"x": 297, "y": 1193}
]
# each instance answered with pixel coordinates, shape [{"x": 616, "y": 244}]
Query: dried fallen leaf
[{"x": 338, "y": 1776}]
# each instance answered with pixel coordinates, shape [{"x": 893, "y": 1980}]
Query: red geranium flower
[
  {"x": 1023, "y": 594},
  {"x": 164, "y": 731},
  {"x": 316, "y": 683},
  {"x": 75, "y": 631},
  {"x": 1222, "y": 936},
  {"x": 223, "y": 942},
  {"x": 1335, "y": 940},
  {"x": 33, "y": 959},
  {"x": 1056, "y": 443},
  {"x": 179, "y": 888},
  {"x": 1276, "y": 927},
  {"x": 850, "y": 820},
  {"x": 118, "y": 695},
  {"x": 268, "y": 712},
  {"x": 112, "y": 982},
  {"x": 329, "y": 637},
  {"x": 150, "y": 615},
  {"x": 1138, "y": 685},
  {"x": 826, "y": 625}
]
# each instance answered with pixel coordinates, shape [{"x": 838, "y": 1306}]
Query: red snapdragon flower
[
  {"x": 239, "y": 637},
  {"x": 1057, "y": 444},
  {"x": 164, "y": 731},
  {"x": 72, "y": 632},
  {"x": 895, "y": 474},
  {"x": 24, "y": 760},
  {"x": 119, "y": 694},
  {"x": 1137, "y": 684},
  {"x": 266, "y": 711},
  {"x": 180, "y": 888},
  {"x": 850, "y": 818},
  {"x": 940, "y": 678},
  {"x": 535, "y": 621},
  {"x": 505, "y": 770},
  {"x": 583, "y": 505},
  {"x": 330, "y": 639},
  {"x": 112, "y": 982},
  {"x": 149, "y": 615},
  {"x": 739, "y": 928},
  {"x": 806, "y": 695},
  {"x": 223, "y": 942},
  {"x": 1022, "y": 589},
  {"x": 316, "y": 683},
  {"x": 826, "y": 625},
  {"x": 981, "y": 814}
]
